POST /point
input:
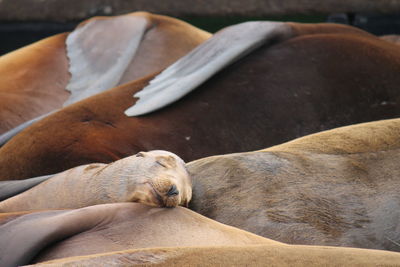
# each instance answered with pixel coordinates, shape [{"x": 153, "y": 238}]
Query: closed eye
[
  {"x": 159, "y": 163},
  {"x": 140, "y": 154}
]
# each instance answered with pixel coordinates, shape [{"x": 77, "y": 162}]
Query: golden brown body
[{"x": 34, "y": 78}]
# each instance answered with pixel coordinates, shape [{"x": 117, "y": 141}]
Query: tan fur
[
  {"x": 250, "y": 255},
  {"x": 130, "y": 234},
  {"x": 338, "y": 187},
  {"x": 146, "y": 178},
  {"x": 112, "y": 227}
]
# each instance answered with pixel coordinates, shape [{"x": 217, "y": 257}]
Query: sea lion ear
[
  {"x": 166, "y": 161},
  {"x": 140, "y": 155}
]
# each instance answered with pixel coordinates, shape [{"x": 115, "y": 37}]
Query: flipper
[
  {"x": 99, "y": 53},
  {"x": 13, "y": 187},
  {"x": 196, "y": 67},
  {"x": 5, "y": 137},
  {"x": 21, "y": 239},
  {"x": 98, "y": 58}
]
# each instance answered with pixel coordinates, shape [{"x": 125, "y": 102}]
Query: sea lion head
[{"x": 165, "y": 182}]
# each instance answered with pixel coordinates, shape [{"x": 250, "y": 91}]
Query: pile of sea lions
[{"x": 290, "y": 132}]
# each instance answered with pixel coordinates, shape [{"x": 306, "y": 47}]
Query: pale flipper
[
  {"x": 99, "y": 53},
  {"x": 14, "y": 187},
  {"x": 5, "y": 137},
  {"x": 225, "y": 47}
]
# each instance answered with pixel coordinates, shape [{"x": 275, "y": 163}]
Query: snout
[
  {"x": 173, "y": 191},
  {"x": 170, "y": 199}
]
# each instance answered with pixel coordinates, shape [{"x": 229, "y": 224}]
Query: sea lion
[
  {"x": 131, "y": 233},
  {"x": 323, "y": 77},
  {"x": 336, "y": 188},
  {"x": 156, "y": 178},
  {"x": 110, "y": 227},
  {"x": 249, "y": 255},
  {"x": 101, "y": 53}
]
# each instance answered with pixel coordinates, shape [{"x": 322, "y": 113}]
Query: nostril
[{"x": 173, "y": 191}]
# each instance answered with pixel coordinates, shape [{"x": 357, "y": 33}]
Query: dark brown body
[
  {"x": 327, "y": 76},
  {"x": 336, "y": 188}
]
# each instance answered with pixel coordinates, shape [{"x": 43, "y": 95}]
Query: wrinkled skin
[{"x": 324, "y": 77}]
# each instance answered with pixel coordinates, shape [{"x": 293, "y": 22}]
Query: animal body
[
  {"x": 156, "y": 178},
  {"x": 110, "y": 227},
  {"x": 336, "y": 188},
  {"x": 255, "y": 255},
  {"x": 106, "y": 51},
  {"x": 316, "y": 78},
  {"x": 131, "y": 233}
]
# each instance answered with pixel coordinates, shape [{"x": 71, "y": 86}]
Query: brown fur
[
  {"x": 34, "y": 78},
  {"x": 393, "y": 38},
  {"x": 33, "y": 81},
  {"x": 338, "y": 188},
  {"x": 328, "y": 77},
  {"x": 148, "y": 178}
]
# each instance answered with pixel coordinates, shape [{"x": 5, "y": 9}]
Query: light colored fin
[
  {"x": 14, "y": 187},
  {"x": 99, "y": 52},
  {"x": 196, "y": 67},
  {"x": 5, "y": 137}
]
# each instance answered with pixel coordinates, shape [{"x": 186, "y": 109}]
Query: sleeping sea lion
[
  {"x": 156, "y": 178},
  {"x": 336, "y": 188},
  {"x": 322, "y": 77},
  {"x": 131, "y": 233}
]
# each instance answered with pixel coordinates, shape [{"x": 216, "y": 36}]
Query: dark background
[
  {"x": 14, "y": 35},
  {"x": 25, "y": 21}
]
